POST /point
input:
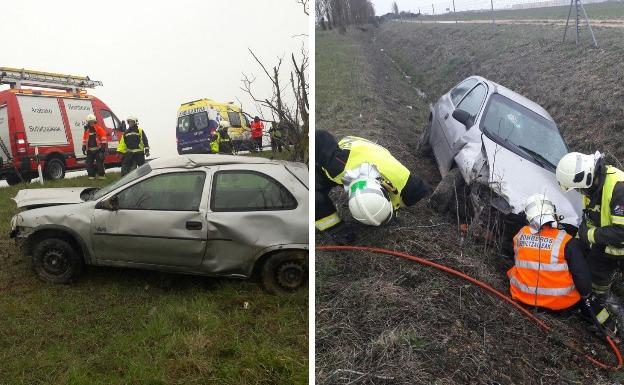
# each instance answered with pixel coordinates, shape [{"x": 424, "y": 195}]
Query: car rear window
[{"x": 243, "y": 190}]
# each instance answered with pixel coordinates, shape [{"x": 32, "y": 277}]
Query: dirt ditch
[{"x": 381, "y": 320}]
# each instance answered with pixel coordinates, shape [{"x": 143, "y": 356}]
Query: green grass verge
[
  {"x": 124, "y": 326},
  {"x": 606, "y": 10}
]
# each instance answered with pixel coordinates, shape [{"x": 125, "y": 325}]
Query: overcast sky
[{"x": 153, "y": 55}]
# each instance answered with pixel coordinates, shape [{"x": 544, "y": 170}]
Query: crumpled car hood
[
  {"x": 515, "y": 179},
  {"x": 42, "y": 197}
]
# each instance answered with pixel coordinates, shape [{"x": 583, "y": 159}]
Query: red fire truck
[{"x": 49, "y": 120}]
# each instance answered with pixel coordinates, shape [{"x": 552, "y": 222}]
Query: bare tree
[
  {"x": 304, "y": 3},
  {"x": 292, "y": 117},
  {"x": 395, "y": 8}
]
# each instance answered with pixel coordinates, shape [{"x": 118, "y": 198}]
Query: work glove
[
  {"x": 583, "y": 231},
  {"x": 147, "y": 154},
  {"x": 84, "y": 150},
  {"x": 342, "y": 234}
]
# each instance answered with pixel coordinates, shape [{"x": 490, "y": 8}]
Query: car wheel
[
  {"x": 443, "y": 197},
  {"x": 54, "y": 169},
  {"x": 56, "y": 261},
  {"x": 423, "y": 147},
  {"x": 285, "y": 272}
]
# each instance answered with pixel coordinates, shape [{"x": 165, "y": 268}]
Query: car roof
[
  {"x": 516, "y": 97},
  {"x": 200, "y": 160}
]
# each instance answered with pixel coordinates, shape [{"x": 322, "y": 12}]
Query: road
[{"x": 610, "y": 23}]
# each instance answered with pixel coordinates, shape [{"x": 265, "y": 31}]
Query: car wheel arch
[
  {"x": 267, "y": 253},
  {"x": 52, "y": 231}
]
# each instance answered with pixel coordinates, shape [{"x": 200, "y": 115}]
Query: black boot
[{"x": 602, "y": 322}]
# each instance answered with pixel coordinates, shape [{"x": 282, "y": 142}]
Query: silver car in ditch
[
  {"x": 487, "y": 136},
  {"x": 215, "y": 215}
]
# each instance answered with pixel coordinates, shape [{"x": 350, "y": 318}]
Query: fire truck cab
[{"x": 45, "y": 127}]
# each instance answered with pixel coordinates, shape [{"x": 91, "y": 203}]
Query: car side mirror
[
  {"x": 462, "y": 116},
  {"x": 110, "y": 204},
  {"x": 123, "y": 126}
]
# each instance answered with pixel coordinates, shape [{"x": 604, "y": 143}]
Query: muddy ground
[{"x": 380, "y": 320}]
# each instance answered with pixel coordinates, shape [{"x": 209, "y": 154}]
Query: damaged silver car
[
  {"x": 499, "y": 146},
  {"x": 210, "y": 215}
]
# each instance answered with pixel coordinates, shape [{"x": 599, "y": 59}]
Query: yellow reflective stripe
[
  {"x": 600, "y": 289},
  {"x": 602, "y": 316},
  {"x": 327, "y": 222},
  {"x": 532, "y": 265},
  {"x": 590, "y": 235},
  {"x": 617, "y": 220},
  {"x": 612, "y": 250}
]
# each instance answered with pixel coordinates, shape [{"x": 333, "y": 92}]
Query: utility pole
[
  {"x": 578, "y": 5},
  {"x": 454, "y": 14},
  {"x": 433, "y": 13},
  {"x": 493, "y": 24}
]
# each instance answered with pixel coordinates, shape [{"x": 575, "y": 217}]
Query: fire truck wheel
[{"x": 54, "y": 169}]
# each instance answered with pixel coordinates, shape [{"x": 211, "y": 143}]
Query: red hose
[{"x": 489, "y": 288}]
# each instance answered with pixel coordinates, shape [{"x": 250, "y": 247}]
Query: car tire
[
  {"x": 54, "y": 169},
  {"x": 56, "y": 261},
  {"x": 284, "y": 272},
  {"x": 443, "y": 197},
  {"x": 423, "y": 147}
]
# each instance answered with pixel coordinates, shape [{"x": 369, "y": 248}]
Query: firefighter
[
  {"x": 545, "y": 273},
  {"x": 601, "y": 231},
  {"x": 376, "y": 182},
  {"x": 133, "y": 145},
  {"x": 256, "y": 133},
  {"x": 225, "y": 142},
  {"x": 215, "y": 141},
  {"x": 276, "y": 137},
  {"x": 94, "y": 147}
]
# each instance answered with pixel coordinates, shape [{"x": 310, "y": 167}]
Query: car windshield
[
  {"x": 137, "y": 173},
  {"x": 520, "y": 129}
]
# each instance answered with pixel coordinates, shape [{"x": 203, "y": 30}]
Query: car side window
[
  {"x": 110, "y": 120},
  {"x": 240, "y": 190},
  {"x": 458, "y": 92},
  {"x": 167, "y": 192},
  {"x": 473, "y": 101}
]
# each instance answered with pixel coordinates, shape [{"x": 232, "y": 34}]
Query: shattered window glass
[
  {"x": 523, "y": 129},
  {"x": 249, "y": 191},
  {"x": 166, "y": 192}
]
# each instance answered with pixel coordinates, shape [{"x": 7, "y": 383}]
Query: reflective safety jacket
[
  {"x": 256, "y": 129},
  {"x": 94, "y": 137},
  {"x": 540, "y": 275},
  {"x": 606, "y": 214},
  {"x": 365, "y": 151},
  {"x": 214, "y": 144},
  {"x": 133, "y": 140}
]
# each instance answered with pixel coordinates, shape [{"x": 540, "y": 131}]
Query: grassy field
[
  {"x": 606, "y": 10},
  {"x": 123, "y": 326}
]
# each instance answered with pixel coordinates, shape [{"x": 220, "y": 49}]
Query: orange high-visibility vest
[{"x": 540, "y": 276}]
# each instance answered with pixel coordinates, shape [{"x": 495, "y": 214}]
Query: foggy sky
[
  {"x": 153, "y": 56},
  {"x": 384, "y": 6}
]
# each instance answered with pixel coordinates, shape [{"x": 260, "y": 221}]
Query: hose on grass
[{"x": 528, "y": 314}]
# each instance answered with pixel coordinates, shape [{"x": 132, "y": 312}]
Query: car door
[
  {"x": 441, "y": 138},
  {"x": 250, "y": 209},
  {"x": 159, "y": 221},
  {"x": 471, "y": 103}
]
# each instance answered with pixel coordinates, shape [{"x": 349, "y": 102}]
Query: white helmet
[
  {"x": 369, "y": 202},
  {"x": 91, "y": 118},
  {"x": 133, "y": 118},
  {"x": 539, "y": 211},
  {"x": 576, "y": 170}
]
